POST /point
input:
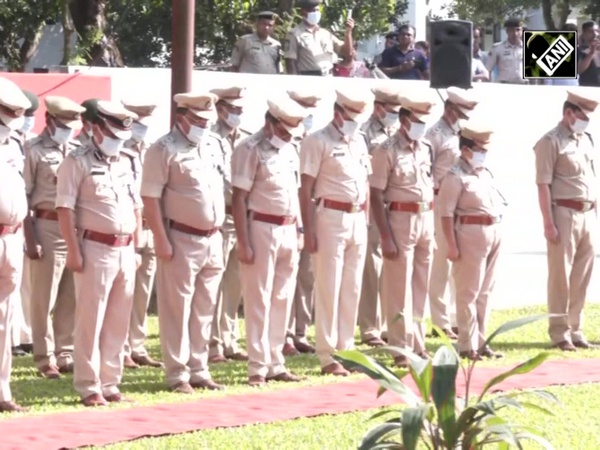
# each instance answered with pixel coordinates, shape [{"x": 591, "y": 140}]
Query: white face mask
[
  {"x": 28, "y": 124},
  {"x": 417, "y": 131},
  {"x": 138, "y": 131},
  {"x": 196, "y": 133},
  {"x": 4, "y": 132},
  {"x": 349, "y": 127},
  {"x": 308, "y": 123},
  {"x": 62, "y": 135},
  {"x": 111, "y": 146},
  {"x": 233, "y": 120},
  {"x": 277, "y": 142},
  {"x": 313, "y": 17},
  {"x": 580, "y": 126},
  {"x": 15, "y": 124},
  {"x": 389, "y": 119},
  {"x": 478, "y": 160}
]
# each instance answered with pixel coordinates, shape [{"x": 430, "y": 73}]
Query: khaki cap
[
  {"x": 289, "y": 114},
  {"x": 389, "y": 96},
  {"x": 478, "y": 132},
  {"x": 585, "y": 100},
  {"x": 117, "y": 118},
  {"x": 463, "y": 99},
  {"x": 12, "y": 98},
  {"x": 420, "y": 106},
  {"x": 65, "y": 110},
  {"x": 201, "y": 104},
  {"x": 305, "y": 97},
  {"x": 357, "y": 103},
  {"x": 234, "y": 95}
]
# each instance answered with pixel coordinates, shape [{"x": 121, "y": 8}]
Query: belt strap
[
  {"x": 112, "y": 240},
  {"x": 47, "y": 214},
  {"x": 412, "y": 207},
  {"x": 272, "y": 219},
  {"x": 191, "y": 230},
  {"x": 9, "y": 229},
  {"x": 479, "y": 220},
  {"x": 577, "y": 205},
  {"x": 347, "y": 207}
]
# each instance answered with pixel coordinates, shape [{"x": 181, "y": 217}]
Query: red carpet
[{"x": 101, "y": 427}]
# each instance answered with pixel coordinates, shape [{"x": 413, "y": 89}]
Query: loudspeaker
[{"x": 451, "y": 54}]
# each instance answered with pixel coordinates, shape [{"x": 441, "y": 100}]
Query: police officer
[
  {"x": 87, "y": 120},
  {"x": 568, "y": 194},
  {"x": 302, "y": 307},
  {"x": 471, "y": 207},
  {"x": 266, "y": 212},
  {"x": 99, "y": 213},
  {"x": 135, "y": 352},
  {"x": 13, "y": 209},
  {"x": 443, "y": 137},
  {"x": 184, "y": 203},
  {"x": 507, "y": 55},
  {"x": 52, "y": 288},
  {"x": 311, "y": 50},
  {"x": 258, "y": 52},
  {"x": 335, "y": 166},
  {"x": 380, "y": 126},
  {"x": 224, "y": 344},
  {"x": 402, "y": 202}
]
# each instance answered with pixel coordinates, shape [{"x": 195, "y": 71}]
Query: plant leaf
[
  {"x": 412, "y": 425},
  {"x": 536, "y": 438},
  {"x": 443, "y": 392},
  {"x": 385, "y": 412},
  {"x": 514, "y": 324},
  {"x": 388, "y": 446},
  {"x": 421, "y": 372},
  {"x": 500, "y": 433},
  {"x": 522, "y": 368},
  {"x": 378, "y": 432}
]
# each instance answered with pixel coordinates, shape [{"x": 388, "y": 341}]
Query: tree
[{"x": 491, "y": 11}]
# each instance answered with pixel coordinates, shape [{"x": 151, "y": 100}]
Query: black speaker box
[{"x": 451, "y": 54}]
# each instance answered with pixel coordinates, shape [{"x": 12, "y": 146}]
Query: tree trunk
[
  {"x": 547, "y": 13},
  {"x": 29, "y": 46},
  {"x": 285, "y": 6},
  {"x": 68, "y": 33},
  {"x": 564, "y": 11}
]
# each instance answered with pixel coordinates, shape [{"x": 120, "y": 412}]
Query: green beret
[
  {"x": 269, "y": 15},
  {"x": 34, "y": 100},
  {"x": 91, "y": 109}
]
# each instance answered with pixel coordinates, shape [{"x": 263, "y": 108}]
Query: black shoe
[
  {"x": 27, "y": 348},
  {"x": 16, "y": 352}
]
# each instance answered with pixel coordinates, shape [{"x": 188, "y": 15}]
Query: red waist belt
[
  {"x": 191, "y": 230},
  {"x": 112, "y": 240},
  {"x": 347, "y": 207},
  {"x": 272, "y": 219},
  {"x": 413, "y": 207},
  {"x": 479, "y": 220}
]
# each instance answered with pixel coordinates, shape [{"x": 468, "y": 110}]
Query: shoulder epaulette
[
  {"x": 37, "y": 140},
  {"x": 75, "y": 143},
  {"x": 457, "y": 170},
  {"x": 80, "y": 151},
  {"x": 129, "y": 152}
]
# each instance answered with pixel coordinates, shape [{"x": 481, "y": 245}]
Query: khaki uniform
[
  {"x": 341, "y": 169},
  {"x": 13, "y": 209},
  {"x": 313, "y": 50},
  {"x": 371, "y": 317},
  {"x": 509, "y": 60},
  {"x": 84, "y": 138},
  {"x": 144, "y": 276},
  {"x": 253, "y": 55},
  {"x": 566, "y": 162},
  {"x": 444, "y": 145},
  {"x": 103, "y": 195},
  {"x": 403, "y": 173},
  {"x": 271, "y": 178},
  {"x": 53, "y": 311},
  {"x": 473, "y": 200},
  {"x": 189, "y": 182},
  {"x": 225, "y": 327}
]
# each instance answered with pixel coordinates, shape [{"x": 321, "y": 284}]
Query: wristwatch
[
  {"x": 139, "y": 250},
  {"x": 300, "y": 230}
]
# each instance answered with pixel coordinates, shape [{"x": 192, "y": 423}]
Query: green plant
[{"x": 436, "y": 416}]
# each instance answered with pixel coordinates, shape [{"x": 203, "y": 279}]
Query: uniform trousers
[
  {"x": 104, "y": 297},
  {"x": 225, "y": 327},
  {"x": 187, "y": 287},
  {"x": 144, "y": 280},
  {"x": 21, "y": 319},
  {"x": 301, "y": 313},
  {"x": 53, "y": 291},
  {"x": 405, "y": 279},
  {"x": 443, "y": 310},
  {"x": 338, "y": 267},
  {"x": 268, "y": 289},
  {"x": 11, "y": 266},
  {"x": 570, "y": 265},
  {"x": 474, "y": 277}
]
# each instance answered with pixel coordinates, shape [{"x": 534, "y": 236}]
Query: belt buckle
[
  {"x": 587, "y": 206},
  {"x": 356, "y": 207},
  {"x": 122, "y": 239},
  {"x": 422, "y": 207}
]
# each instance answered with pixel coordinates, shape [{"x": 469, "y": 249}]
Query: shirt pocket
[
  {"x": 570, "y": 163},
  {"x": 49, "y": 169},
  {"x": 103, "y": 186},
  {"x": 477, "y": 192},
  {"x": 342, "y": 163},
  {"x": 405, "y": 171},
  {"x": 189, "y": 171}
]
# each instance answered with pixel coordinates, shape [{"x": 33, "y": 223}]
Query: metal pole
[{"x": 182, "y": 49}]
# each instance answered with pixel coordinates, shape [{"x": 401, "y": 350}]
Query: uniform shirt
[
  {"x": 341, "y": 167},
  {"x": 402, "y": 171},
  {"x": 466, "y": 192},
  {"x": 83, "y": 138},
  {"x": 312, "y": 49},
  {"x": 393, "y": 57},
  {"x": 375, "y": 134},
  {"x": 444, "y": 147},
  {"x": 137, "y": 152},
  {"x": 270, "y": 175},
  {"x": 100, "y": 190},
  {"x": 508, "y": 59},
  {"x": 13, "y": 202},
  {"x": 43, "y": 156},
  {"x": 566, "y": 163},
  {"x": 253, "y": 55},
  {"x": 188, "y": 178}
]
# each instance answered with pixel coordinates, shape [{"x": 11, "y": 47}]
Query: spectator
[
  {"x": 588, "y": 55},
  {"x": 403, "y": 61},
  {"x": 391, "y": 40},
  {"x": 478, "y": 45},
  {"x": 479, "y": 71},
  {"x": 423, "y": 46},
  {"x": 507, "y": 56},
  {"x": 349, "y": 67}
]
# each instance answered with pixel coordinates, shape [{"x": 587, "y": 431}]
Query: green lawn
[{"x": 147, "y": 386}]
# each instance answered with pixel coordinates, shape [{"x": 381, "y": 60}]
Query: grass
[{"x": 147, "y": 386}]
